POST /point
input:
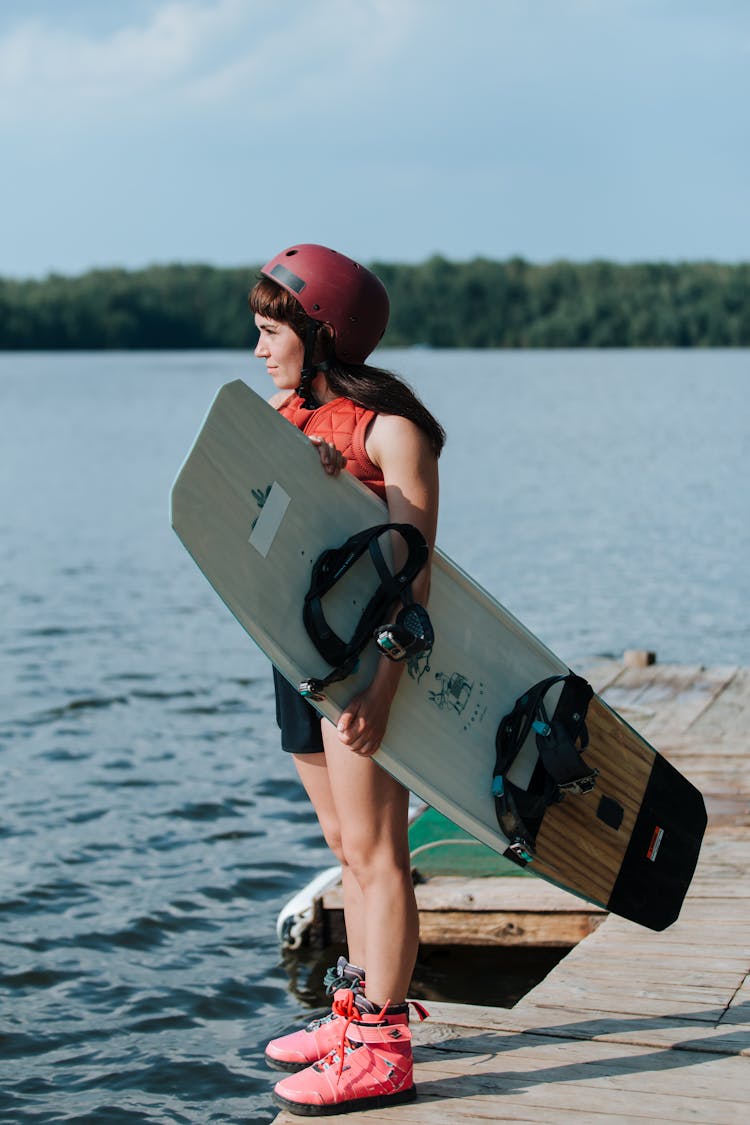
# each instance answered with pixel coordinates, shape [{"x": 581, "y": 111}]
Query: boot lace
[{"x": 347, "y": 1008}]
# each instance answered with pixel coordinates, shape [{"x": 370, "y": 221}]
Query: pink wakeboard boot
[
  {"x": 300, "y": 1048},
  {"x": 370, "y": 1066}
]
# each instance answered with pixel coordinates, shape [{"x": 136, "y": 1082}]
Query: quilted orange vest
[{"x": 344, "y": 424}]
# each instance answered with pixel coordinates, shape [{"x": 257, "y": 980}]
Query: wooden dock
[{"x": 631, "y": 1026}]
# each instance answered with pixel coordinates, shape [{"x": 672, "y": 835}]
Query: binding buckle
[
  {"x": 581, "y": 785},
  {"x": 410, "y": 635},
  {"x": 312, "y": 689},
  {"x": 521, "y": 849},
  {"x": 388, "y": 645}
]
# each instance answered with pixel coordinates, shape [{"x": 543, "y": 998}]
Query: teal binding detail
[{"x": 542, "y": 728}]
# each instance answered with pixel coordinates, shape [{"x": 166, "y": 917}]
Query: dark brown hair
[{"x": 371, "y": 387}]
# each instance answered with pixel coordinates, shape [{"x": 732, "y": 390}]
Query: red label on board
[{"x": 653, "y": 847}]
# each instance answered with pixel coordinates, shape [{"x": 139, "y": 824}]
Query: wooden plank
[
  {"x": 495, "y": 894},
  {"x": 571, "y": 1023},
  {"x": 737, "y": 1014},
  {"x": 450, "y": 892},
  {"x": 488, "y": 928},
  {"x": 578, "y": 1075},
  {"x": 493, "y": 911},
  {"x": 600, "y": 673},
  {"x": 666, "y": 1033},
  {"x": 695, "y": 744},
  {"x": 667, "y": 698},
  {"x": 640, "y": 1003},
  {"x": 729, "y": 714},
  {"x": 601, "y": 1061}
]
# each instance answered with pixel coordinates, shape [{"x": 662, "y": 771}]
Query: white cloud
[
  {"x": 196, "y": 53},
  {"x": 49, "y": 69}
]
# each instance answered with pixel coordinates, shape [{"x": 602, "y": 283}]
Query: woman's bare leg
[
  {"x": 372, "y": 811},
  {"x": 313, "y": 774}
]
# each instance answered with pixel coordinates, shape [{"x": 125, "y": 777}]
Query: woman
[{"x": 319, "y": 315}]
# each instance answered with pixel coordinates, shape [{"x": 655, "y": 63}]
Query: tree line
[{"x": 438, "y": 303}]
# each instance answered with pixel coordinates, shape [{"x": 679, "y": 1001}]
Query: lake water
[{"x": 150, "y": 828}]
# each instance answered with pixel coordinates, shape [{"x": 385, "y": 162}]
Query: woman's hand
[
  {"x": 362, "y": 725},
  {"x": 363, "y": 721},
  {"x": 332, "y": 459}
]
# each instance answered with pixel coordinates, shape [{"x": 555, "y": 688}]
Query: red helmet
[{"x": 337, "y": 290}]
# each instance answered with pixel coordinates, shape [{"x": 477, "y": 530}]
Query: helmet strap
[{"x": 309, "y": 369}]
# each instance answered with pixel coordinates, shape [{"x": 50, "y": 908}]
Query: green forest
[{"x": 438, "y": 303}]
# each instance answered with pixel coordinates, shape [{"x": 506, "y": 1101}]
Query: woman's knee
[
  {"x": 371, "y": 860},
  {"x": 331, "y": 830}
]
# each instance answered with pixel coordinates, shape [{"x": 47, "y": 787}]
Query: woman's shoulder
[
  {"x": 393, "y": 433},
  {"x": 395, "y": 426}
]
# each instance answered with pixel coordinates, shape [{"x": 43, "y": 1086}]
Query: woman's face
[{"x": 281, "y": 348}]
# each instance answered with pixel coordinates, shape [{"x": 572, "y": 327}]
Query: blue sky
[{"x": 222, "y": 130}]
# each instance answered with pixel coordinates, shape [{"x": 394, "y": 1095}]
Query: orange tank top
[{"x": 344, "y": 424}]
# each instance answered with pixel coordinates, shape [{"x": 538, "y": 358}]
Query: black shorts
[{"x": 298, "y": 720}]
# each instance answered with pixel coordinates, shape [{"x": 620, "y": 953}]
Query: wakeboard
[{"x": 255, "y": 511}]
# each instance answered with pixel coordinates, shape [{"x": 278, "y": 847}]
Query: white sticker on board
[{"x": 269, "y": 520}]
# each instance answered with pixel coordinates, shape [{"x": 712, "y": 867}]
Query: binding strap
[
  {"x": 560, "y": 770},
  {"x": 330, "y": 567}
]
